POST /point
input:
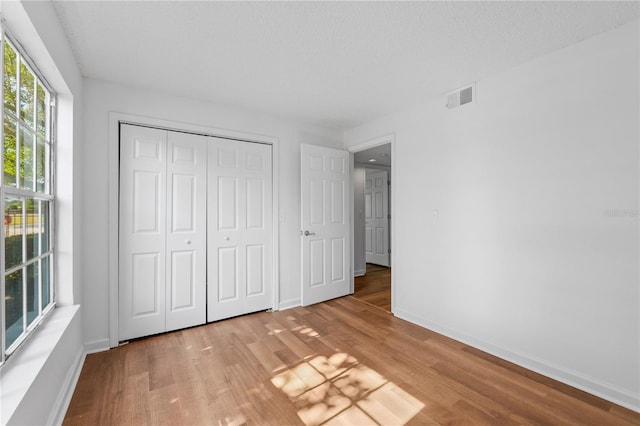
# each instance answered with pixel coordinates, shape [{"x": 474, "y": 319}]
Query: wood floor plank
[
  {"x": 265, "y": 356},
  {"x": 339, "y": 362},
  {"x": 374, "y": 287}
]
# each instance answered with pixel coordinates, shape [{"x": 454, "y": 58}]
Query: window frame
[{"x": 47, "y": 195}]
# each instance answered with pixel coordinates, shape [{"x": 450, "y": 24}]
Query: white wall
[
  {"x": 534, "y": 252},
  {"x": 100, "y": 99},
  {"x": 359, "y": 221},
  {"x": 37, "y": 381}
]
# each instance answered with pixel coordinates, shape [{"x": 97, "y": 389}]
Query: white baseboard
[
  {"x": 572, "y": 378},
  {"x": 288, "y": 304},
  {"x": 359, "y": 273},
  {"x": 66, "y": 392},
  {"x": 96, "y": 346}
]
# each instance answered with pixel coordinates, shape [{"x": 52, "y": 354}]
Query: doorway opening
[{"x": 372, "y": 224}]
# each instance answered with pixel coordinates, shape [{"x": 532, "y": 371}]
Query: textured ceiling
[{"x": 333, "y": 64}]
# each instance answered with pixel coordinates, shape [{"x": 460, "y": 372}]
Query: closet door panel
[
  {"x": 255, "y": 270},
  {"x": 142, "y": 253},
  {"x": 227, "y": 202},
  {"x": 145, "y": 274},
  {"x": 183, "y": 280},
  {"x": 259, "y": 227},
  {"x": 227, "y": 274},
  {"x": 240, "y": 222},
  {"x": 186, "y": 230}
]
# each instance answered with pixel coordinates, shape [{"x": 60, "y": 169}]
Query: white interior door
[
  {"x": 162, "y": 231},
  {"x": 240, "y": 230},
  {"x": 326, "y": 258},
  {"x": 186, "y": 230},
  {"x": 376, "y": 196}
]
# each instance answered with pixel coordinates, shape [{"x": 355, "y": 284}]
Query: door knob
[{"x": 307, "y": 233}]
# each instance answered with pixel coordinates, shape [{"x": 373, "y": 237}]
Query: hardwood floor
[
  {"x": 338, "y": 362},
  {"x": 374, "y": 287}
]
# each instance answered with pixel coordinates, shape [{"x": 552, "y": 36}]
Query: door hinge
[{"x": 389, "y": 251}]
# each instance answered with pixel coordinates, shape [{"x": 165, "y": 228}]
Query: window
[{"x": 26, "y": 250}]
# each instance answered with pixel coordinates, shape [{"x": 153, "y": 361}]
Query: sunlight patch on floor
[
  {"x": 233, "y": 421},
  {"x": 338, "y": 390}
]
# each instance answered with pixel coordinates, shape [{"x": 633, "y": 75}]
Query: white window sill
[{"x": 22, "y": 369}]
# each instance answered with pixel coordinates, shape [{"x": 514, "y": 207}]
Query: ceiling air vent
[{"x": 466, "y": 95}]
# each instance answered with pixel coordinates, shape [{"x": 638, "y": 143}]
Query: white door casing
[
  {"x": 325, "y": 221},
  {"x": 377, "y": 218},
  {"x": 240, "y": 230}
]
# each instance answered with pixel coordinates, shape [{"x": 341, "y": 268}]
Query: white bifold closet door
[
  {"x": 240, "y": 228},
  {"x": 196, "y": 227},
  {"x": 162, "y": 255}
]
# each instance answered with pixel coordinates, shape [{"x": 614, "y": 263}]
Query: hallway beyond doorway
[{"x": 374, "y": 288}]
